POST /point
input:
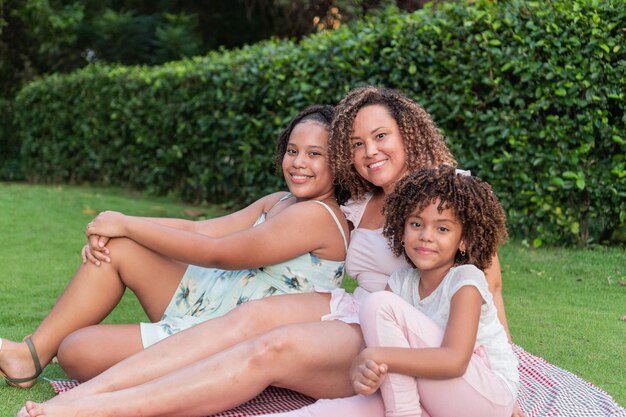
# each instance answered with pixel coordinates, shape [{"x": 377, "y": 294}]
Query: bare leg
[
  {"x": 494, "y": 280},
  {"x": 90, "y": 297},
  {"x": 202, "y": 341},
  {"x": 81, "y": 355},
  {"x": 312, "y": 358}
]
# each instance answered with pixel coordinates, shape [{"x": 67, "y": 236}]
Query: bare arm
[
  {"x": 95, "y": 251},
  {"x": 450, "y": 360},
  {"x": 494, "y": 280},
  {"x": 297, "y": 229},
  {"x": 224, "y": 225}
]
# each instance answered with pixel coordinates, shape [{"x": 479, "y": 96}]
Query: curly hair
[
  {"x": 320, "y": 113},
  {"x": 471, "y": 200},
  {"x": 424, "y": 144}
]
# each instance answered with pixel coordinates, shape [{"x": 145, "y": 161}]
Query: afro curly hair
[
  {"x": 471, "y": 200},
  {"x": 424, "y": 144}
]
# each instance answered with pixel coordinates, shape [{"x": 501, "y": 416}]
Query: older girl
[{"x": 184, "y": 272}]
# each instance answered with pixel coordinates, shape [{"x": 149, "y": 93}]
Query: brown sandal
[{"x": 33, "y": 353}]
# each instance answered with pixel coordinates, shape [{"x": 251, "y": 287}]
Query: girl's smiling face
[
  {"x": 432, "y": 238},
  {"x": 378, "y": 152},
  {"x": 305, "y": 163}
]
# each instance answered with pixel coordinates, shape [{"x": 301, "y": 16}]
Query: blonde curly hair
[
  {"x": 424, "y": 144},
  {"x": 471, "y": 200}
]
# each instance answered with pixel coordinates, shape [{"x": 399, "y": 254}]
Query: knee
[
  {"x": 376, "y": 303},
  {"x": 76, "y": 354},
  {"x": 123, "y": 248},
  {"x": 272, "y": 348},
  {"x": 120, "y": 250}
]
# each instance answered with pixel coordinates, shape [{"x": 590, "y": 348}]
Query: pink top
[{"x": 369, "y": 259}]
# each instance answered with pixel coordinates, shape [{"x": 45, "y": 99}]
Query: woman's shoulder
[
  {"x": 315, "y": 221},
  {"x": 316, "y": 212},
  {"x": 354, "y": 209},
  {"x": 310, "y": 211}
]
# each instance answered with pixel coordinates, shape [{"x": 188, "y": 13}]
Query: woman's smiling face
[{"x": 378, "y": 152}]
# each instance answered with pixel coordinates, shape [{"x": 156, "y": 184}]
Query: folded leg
[
  {"x": 311, "y": 358},
  {"x": 388, "y": 320}
]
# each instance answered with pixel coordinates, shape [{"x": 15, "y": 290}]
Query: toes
[{"x": 34, "y": 409}]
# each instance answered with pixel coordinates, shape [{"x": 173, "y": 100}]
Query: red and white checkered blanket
[
  {"x": 545, "y": 391},
  {"x": 549, "y": 391}
]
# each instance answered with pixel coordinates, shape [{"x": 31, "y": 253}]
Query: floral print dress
[{"x": 206, "y": 293}]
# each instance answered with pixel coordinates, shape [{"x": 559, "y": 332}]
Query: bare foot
[
  {"x": 61, "y": 410},
  {"x": 65, "y": 396},
  {"x": 32, "y": 407},
  {"x": 16, "y": 361}
]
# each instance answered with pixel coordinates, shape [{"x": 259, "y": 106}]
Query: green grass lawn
[{"x": 562, "y": 304}]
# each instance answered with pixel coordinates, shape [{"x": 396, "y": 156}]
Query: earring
[
  {"x": 463, "y": 253},
  {"x": 402, "y": 242}
]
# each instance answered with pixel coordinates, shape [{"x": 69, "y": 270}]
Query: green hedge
[
  {"x": 10, "y": 167},
  {"x": 529, "y": 94}
]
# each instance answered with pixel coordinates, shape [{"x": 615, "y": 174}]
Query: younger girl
[{"x": 435, "y": 346}]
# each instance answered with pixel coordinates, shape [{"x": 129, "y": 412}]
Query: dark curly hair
[
  {"x": 471, "y": 200},
  {"x": 423, "y": 142}
]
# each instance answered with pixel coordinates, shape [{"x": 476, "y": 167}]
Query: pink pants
[{"x": 387, "y": 320}]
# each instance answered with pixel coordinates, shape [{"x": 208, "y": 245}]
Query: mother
[{"x": 377, "y": 137}]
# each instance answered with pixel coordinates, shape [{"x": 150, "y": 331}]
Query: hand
[
  {"x": 95, "y": 251},
  {"x": 366, "y": 374},
  {"x": 108, "y": 224}
]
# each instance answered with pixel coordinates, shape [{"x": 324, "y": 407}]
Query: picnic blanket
[{"x": 545, "y": 391}]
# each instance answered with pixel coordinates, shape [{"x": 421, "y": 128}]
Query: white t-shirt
[{"x": 491, "y": 335}]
